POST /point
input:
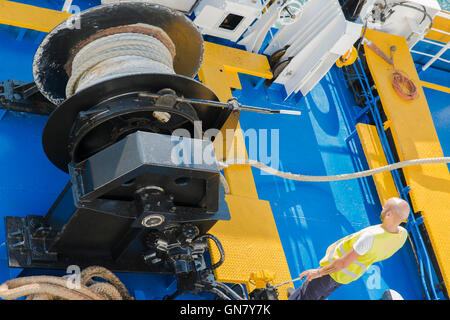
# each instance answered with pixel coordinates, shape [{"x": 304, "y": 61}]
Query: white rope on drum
[
  {"x": 340, "y": 177},
  {"x": 116, "y": 55},
  {"x": 223, "y": 180}
]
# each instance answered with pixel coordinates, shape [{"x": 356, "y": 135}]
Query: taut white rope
[{"x": 347, "y": 176}]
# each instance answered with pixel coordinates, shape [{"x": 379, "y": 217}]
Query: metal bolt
[
  {"x": 162, "y": 116},
  {"x": 153, "y": 220}
]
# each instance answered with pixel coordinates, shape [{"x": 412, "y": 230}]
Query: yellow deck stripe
[
  {"x": 435, "y": 86},
  {"x": 376, "y": 158},
  {"x": 443, "y": 24},
  {"x": 30, "y": 17},
  {"x": 415, "y": 137},
  {"x": 250, "y": 239}
]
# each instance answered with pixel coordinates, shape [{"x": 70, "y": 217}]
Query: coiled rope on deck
[
  {"x": 339, "y": 177},
  {"x": 404, "y": 86},
  {"x": 56, "y": 288},
  {"x": 401, "y": 83}
]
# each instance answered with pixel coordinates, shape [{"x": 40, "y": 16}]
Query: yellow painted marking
[
  {"x": 435, "y": 86},
  {"x": 251, "y": 243},
  {"x": 443, "y": 24},
  {"x": 250, "y": 239},
  {"x": 219, "y": 72},
  {"x": 30, "y": 17},
  {"x": 415, "y": 137},
  {"x": 223, "y": 63},
  {"x": 373, "y": 150}
]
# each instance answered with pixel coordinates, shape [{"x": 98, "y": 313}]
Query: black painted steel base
[{"x": 105, "y": 215}]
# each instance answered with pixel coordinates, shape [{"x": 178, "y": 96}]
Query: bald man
[{"x": 348, "y": 258}]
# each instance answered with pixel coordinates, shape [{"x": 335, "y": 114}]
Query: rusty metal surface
[{"x": 56, "y": 48}]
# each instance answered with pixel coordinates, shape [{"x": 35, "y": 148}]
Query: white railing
[{"x": 445, "y": 47}]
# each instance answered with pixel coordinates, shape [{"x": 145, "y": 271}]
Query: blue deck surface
[
  {"x": 309, "y": 216},
  {"x": 439, "y": 104}
]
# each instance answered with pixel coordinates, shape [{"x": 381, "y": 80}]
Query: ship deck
[{"x": 307, "y": 216}]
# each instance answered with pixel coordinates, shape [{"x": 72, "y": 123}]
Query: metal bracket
[
  {"x": 27, "y": 241},
  {"x": 23, "y": 97}
]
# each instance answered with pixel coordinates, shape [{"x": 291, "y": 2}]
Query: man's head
[{"x": 395, "y": 211}]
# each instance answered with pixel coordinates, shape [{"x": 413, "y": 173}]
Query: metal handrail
[
  {"x": 424, "y": 261},
  {"x": 438, "y": 55}
]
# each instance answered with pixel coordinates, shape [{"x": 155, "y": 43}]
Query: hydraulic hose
[
  {"x": 228, "y": 290},
  {"x": 219, "y": 247},
  {"x": 218, "y": 293}
]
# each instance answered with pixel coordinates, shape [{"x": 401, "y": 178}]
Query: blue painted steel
[
  {"x": 427, "y": 47},
  {"x": 311, "y": 216},
  {"x": 439, "y": 104}
]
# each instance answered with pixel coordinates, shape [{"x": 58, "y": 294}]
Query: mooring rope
[
  {"x": 339, "y": 177},
  {"x": 116, "y": 55},
  {"x": 56, "y": 288}
]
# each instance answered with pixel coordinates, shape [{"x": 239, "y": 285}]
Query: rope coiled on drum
[{"x": 117, "y": 55}]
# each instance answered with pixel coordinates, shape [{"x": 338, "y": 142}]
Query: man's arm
[{"x": 343, "y": 262}]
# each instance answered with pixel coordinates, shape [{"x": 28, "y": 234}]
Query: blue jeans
[{"x": 316, "y": 289}]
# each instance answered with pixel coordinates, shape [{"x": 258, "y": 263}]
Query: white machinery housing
[
  {"x": 227, "y": 19},
  {"x": 181, "y": 5},
  {"x": 314, "y": 42},
  {"x": 410, "y": 19}
]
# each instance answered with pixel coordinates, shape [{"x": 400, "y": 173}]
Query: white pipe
[
  {"x": 435, "y": 43},
  {"x": 440, "y": 31},
  {"x": 443, "y": 15},
  {"x": 430, "y": 55},
  {"x": 437, "y": 56}
]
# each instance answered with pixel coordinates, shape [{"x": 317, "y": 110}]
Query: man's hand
[
  {"x": 310, "y": 274},
  {"x": 335, "y": 266}
]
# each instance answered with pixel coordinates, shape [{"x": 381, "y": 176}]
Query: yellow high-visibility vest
[{"x": 385, "y": 244}]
